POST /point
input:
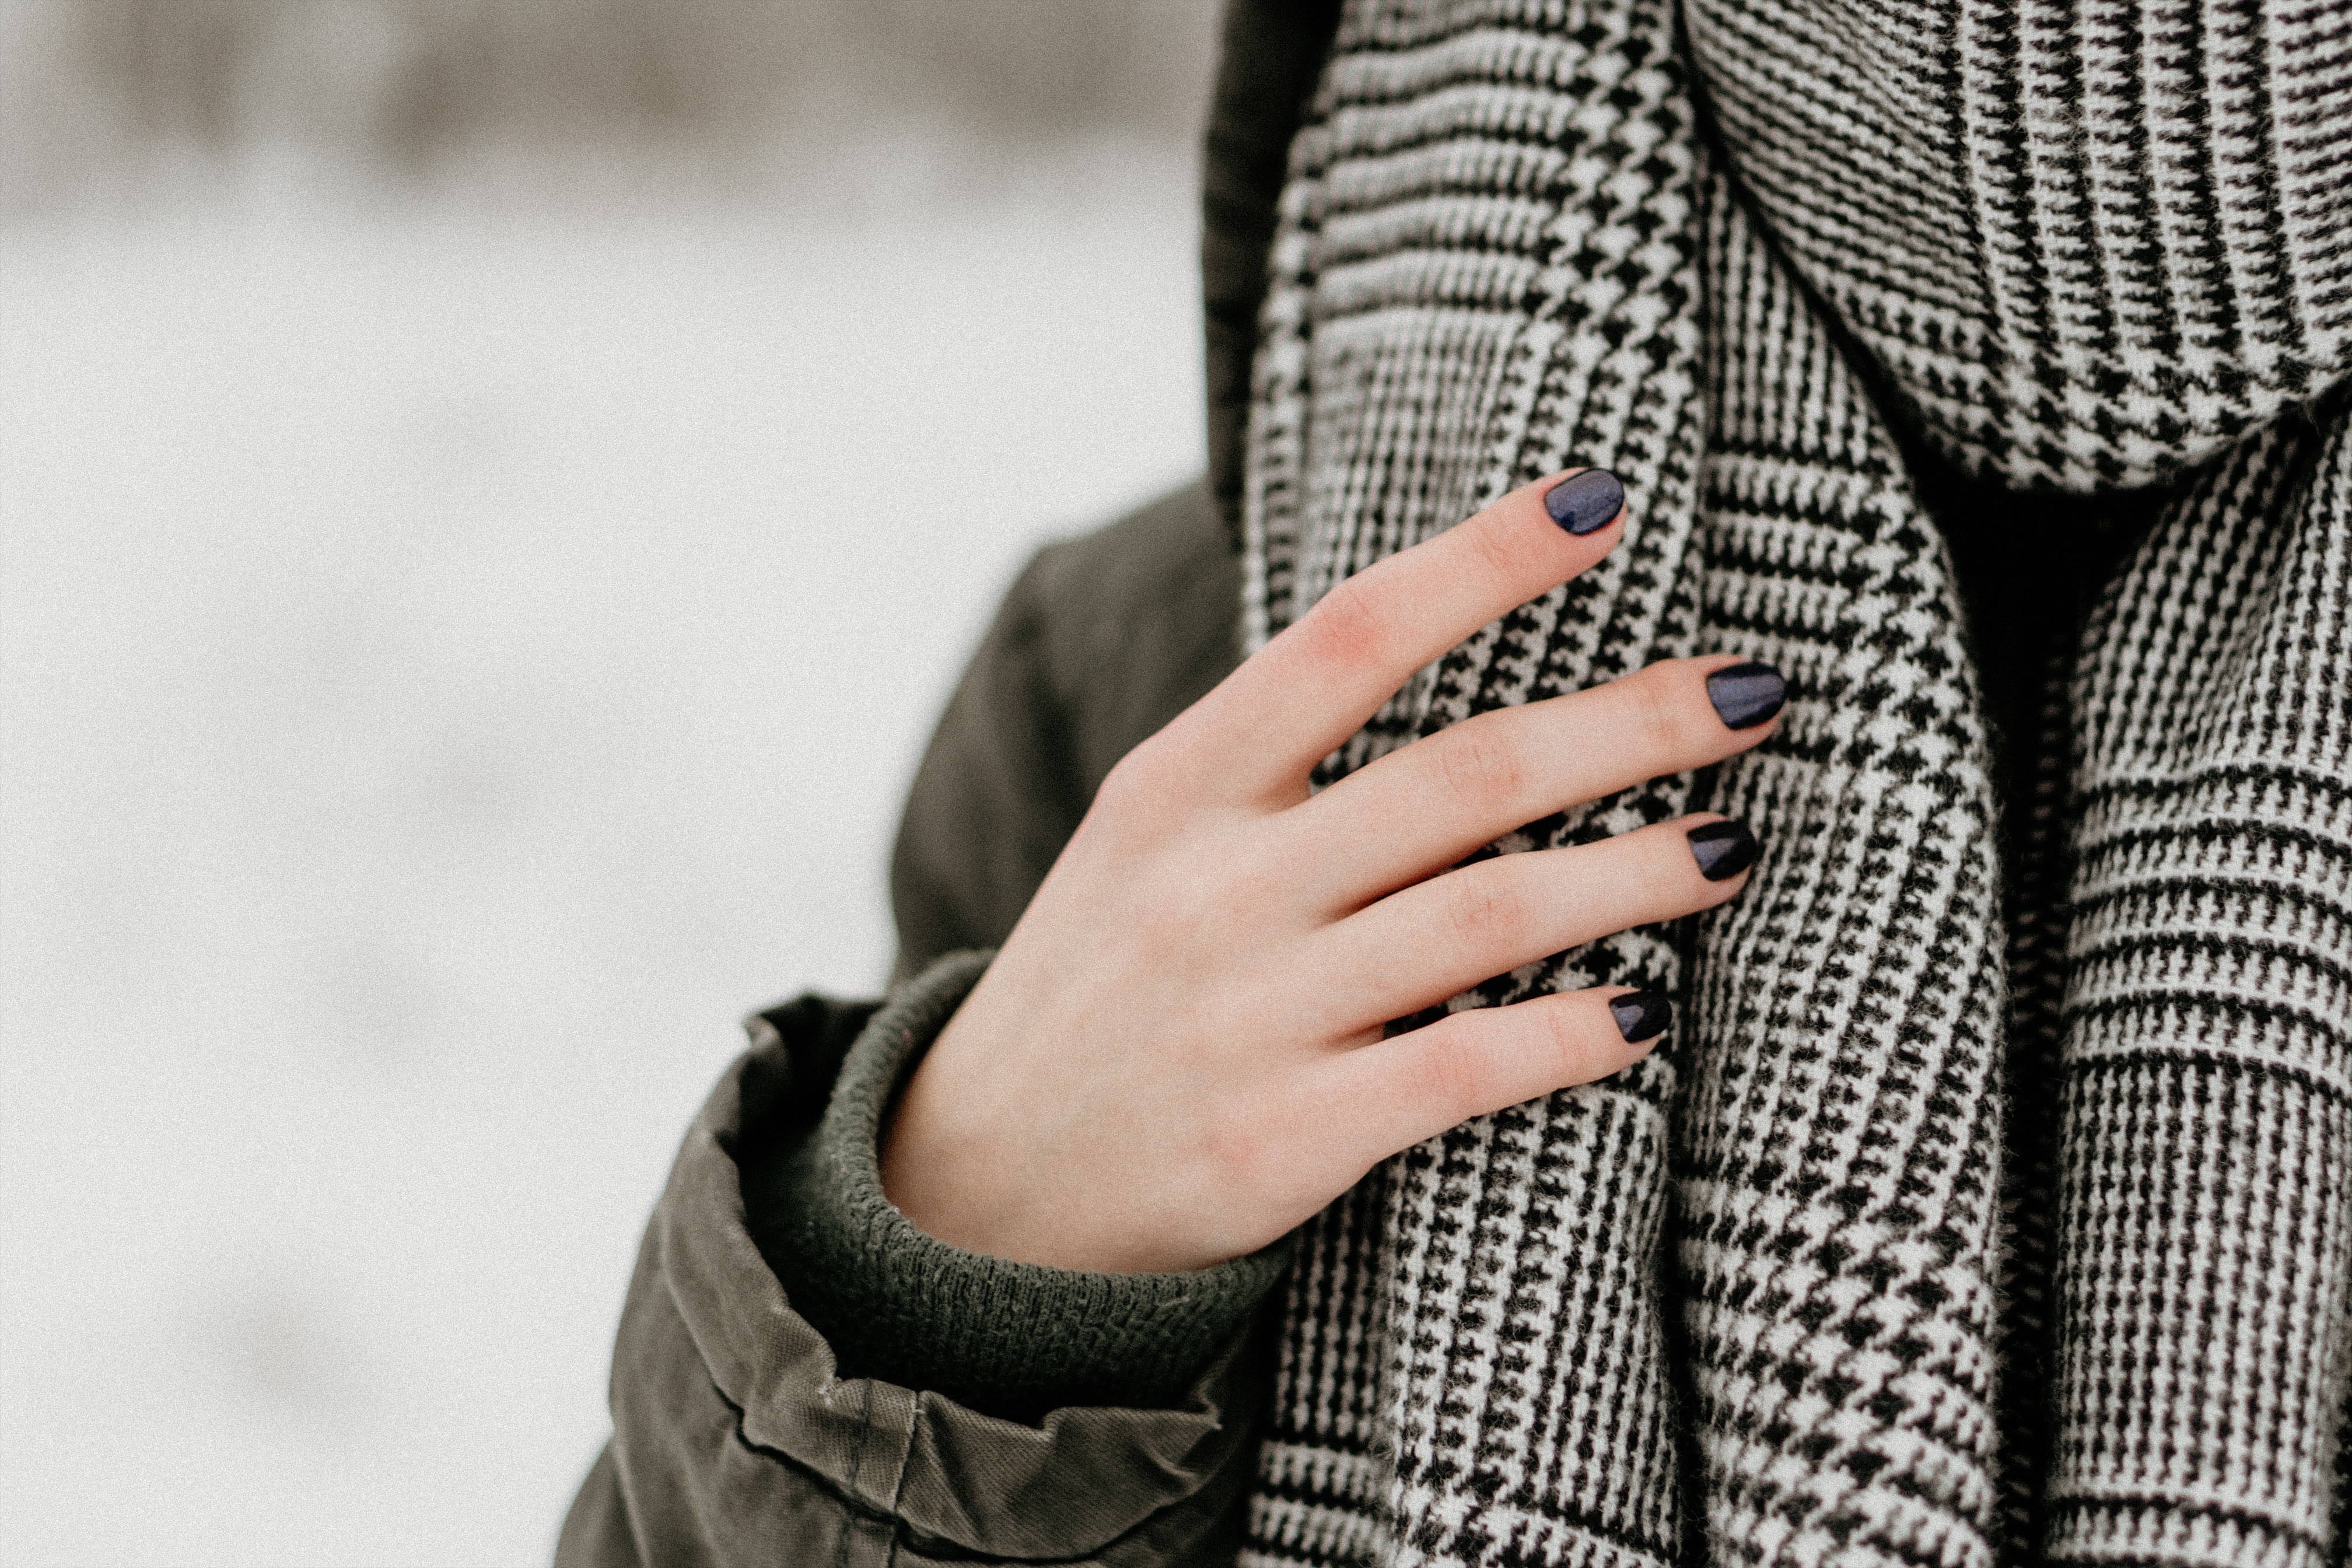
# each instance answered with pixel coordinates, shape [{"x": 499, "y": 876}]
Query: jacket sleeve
[
  {"x": 736, "y": 1442},
  {"x": 739, "y": 1436},
  {"x": 1009, "y": 1339}
]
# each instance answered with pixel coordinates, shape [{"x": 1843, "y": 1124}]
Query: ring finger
[
  {"x": 1425, "y": 943},
  {"x": 1419, "y": 810}
]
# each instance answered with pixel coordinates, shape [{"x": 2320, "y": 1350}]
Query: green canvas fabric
[
  {"x": 737, "y": 1441},
  {"x": 740, "y": 1435}
]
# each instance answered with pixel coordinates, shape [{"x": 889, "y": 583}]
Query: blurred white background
[{"x": 492, "y": 495}]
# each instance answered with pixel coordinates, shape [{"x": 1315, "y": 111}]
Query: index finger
[{"x": 1303, "y": 694}]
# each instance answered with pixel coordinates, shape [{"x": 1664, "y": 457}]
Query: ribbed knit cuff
[{"x": 1012, "y": 1339}]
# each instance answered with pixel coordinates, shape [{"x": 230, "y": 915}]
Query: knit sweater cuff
[{"x": 1011, "y": 1339}]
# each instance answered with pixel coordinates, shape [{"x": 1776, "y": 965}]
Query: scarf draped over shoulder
[{"x": 1974, "y": 1214}]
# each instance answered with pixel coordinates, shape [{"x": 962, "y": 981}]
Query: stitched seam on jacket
[
  {"x": 931, "y": 1544},
  {"x": 857, "y": 1458}
]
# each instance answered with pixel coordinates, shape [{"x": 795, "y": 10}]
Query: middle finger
[
  {"x": 1417, "y": 947},
  {"x": 1421, "y": 809}
]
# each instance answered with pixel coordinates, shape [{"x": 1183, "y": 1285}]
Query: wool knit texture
[{"x": 1956, "y": 1222}]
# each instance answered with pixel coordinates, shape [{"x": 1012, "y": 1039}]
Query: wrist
[
  {"x": 903, "y": 1306},
  {"x": 963, "y": 1176},
  {"x": 972, "y": 1157}
]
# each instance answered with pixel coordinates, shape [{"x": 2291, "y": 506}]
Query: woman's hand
[{"x": 1178, "y": 1054}]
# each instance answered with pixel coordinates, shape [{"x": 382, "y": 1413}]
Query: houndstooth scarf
[{"x": 1941, "y": 1231}]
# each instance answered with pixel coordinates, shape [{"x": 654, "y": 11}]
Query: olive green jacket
[
  {"x": 1104, "y": 1419},
  {"x": 737, "y": 1437}
]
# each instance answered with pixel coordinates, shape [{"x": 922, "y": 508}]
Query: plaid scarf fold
[{"x": 1956, "y": 1223}]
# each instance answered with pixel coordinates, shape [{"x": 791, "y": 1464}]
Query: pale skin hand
[{"x": 1178, "y": 1054}]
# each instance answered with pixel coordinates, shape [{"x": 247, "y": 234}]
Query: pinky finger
[{"x": 1401, "y": 1090}]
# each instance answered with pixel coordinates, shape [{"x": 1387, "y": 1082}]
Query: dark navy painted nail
[
  {"x": 1746, "y": 695},
  {"x": 1723, "y": 849},
  {"x": 1583, "y": 502},
  {"x": 1641, "y": 1016}
]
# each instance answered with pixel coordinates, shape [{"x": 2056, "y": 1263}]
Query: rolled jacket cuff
[
  {"x": 732, "y": 1413},
  {"x": 1015, "y": 1339}
]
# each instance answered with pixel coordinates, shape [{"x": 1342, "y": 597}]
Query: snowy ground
[{"x": 454, "y": 658}]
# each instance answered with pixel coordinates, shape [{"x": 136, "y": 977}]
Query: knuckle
[
  {"x": 1454, "y": 1073},
  {"x": 1495, "y": 551},
  {"x": 1483, "y": 771},
  {"x": 1660, "y": 710},
  {"x": 1486, "y": 908},
  {"x": 1560, "y": 1037},
  {"x": 1347, "y": 624}
]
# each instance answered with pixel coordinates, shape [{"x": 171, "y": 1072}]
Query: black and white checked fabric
[{"x": 1956, "y": 1224}]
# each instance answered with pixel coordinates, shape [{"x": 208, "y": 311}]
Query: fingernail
[
  {"x": 1746, "y": 695},
  {"x": 1641, "y": 1016},
  {"x": 1723, "y": 849},
  {"x": 1583, "y": 502}
]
